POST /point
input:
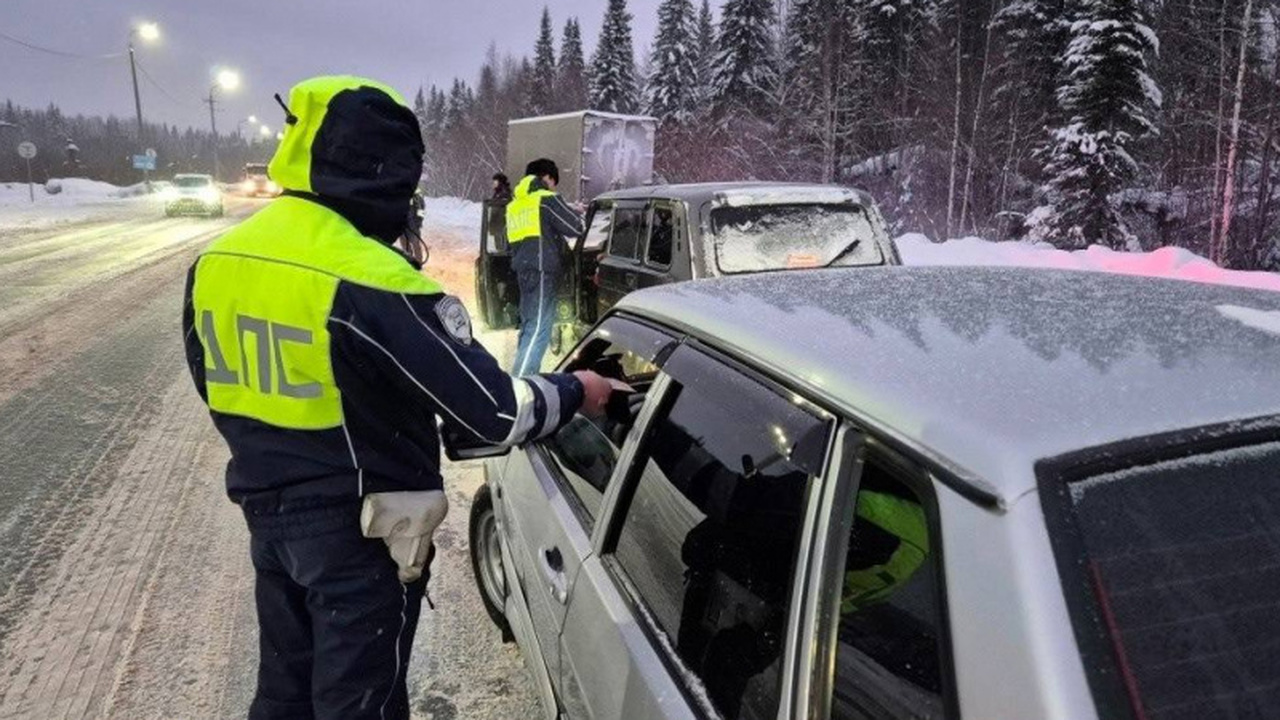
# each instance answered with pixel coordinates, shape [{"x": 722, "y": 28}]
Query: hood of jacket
[{"x": 355, "y": 145}]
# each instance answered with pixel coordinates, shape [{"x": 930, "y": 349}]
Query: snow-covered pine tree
[
  {"x": 746, "y": 65},
  {"x": 437, "y": 107},
  {"x": 613, "y": 67},
  {"x": 571, "y": 74},
  {"x": 542, "y": 92},
  {"x": 673, "y": 73},
  {"x": 1108, "y": 99},
  {"x": 1034, "y": 35},
  {"x": 420, "y": 109},
  {"x": 704, "y": 43}
]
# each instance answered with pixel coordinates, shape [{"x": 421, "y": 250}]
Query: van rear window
[{"x": 1182, "y": 564}]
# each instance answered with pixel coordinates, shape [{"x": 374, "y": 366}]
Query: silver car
[{"x": 905, "y": 493}]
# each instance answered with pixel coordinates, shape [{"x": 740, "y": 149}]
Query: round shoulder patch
[{"x": 454, "y": 318}]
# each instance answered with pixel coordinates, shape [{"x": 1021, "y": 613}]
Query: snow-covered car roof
[
  {"x": 989, "y": 370},
  {"x": 745, "y": 193}
]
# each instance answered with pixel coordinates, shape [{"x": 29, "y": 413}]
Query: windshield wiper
[{"x": 845, "y": 252}]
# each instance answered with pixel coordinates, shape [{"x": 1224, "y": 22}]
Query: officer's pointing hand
[{"x": 595, "y": 393}]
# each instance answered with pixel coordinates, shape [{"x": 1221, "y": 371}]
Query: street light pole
[
  {"x": 147, "y": 31},
  {"x": 213, "y": 125},
  {"x": 226, "y": 80}
]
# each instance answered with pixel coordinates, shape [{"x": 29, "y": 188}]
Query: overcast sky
[{"x": 273, "y": 43}]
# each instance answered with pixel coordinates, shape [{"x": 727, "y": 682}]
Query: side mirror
[{"x": 461, "y": 445}]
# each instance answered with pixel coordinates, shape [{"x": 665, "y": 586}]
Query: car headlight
[
  {"x": 210, "y": 195},
  {"x": 272, "y": 186},
  {"x": 247, "y": 186}
]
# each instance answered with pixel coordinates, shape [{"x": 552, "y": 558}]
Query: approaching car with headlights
[
  {"x": 257, "y": 183},
  {"x": 193, "y": 195},
  {"x": 905, "y": 493}
]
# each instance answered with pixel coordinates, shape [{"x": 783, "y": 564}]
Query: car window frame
[
  {"x": 676, "y": 224},
  {"x": 642, "y": 206},
  {"x": 833, "y": 546},
  {"x": 622, "y": 489},
  {"x": 1055, "y": 475},
  {"x": 538, "y": 448},
  {"x": 596, "y": 208}
]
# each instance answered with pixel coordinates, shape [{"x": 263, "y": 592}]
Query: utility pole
[
  {"x": 147, "y": 31},
  {"x": 226, "y": 80},
  {"x": 213, "y": 125}
]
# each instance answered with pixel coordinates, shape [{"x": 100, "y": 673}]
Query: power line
[
  {"x": 160, "y": 88},
  {"x": 59, "y": 53}
]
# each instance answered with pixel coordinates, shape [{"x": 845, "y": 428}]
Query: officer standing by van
[
  {"x": 325, "y": 358},
  {"x": 539, "y": 222}
]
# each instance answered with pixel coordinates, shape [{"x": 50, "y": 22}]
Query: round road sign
[
  {"x": 26, "y": 150},
  {"x": 150, "y": 152}
]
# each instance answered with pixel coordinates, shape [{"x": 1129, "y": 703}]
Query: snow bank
[
  {"x": 1166, "y": 262},
  {"x": 74, "y": 200}
]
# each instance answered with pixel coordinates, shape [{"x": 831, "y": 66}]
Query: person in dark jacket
[
  {"x": 538, "y": 224},
  {"x": 326, "y": 358},
  {"x": 498, "y": 211}
]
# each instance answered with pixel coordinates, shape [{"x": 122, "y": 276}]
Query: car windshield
[
  {"x": 779, "y": 237},
  {"x": 1182, "y": 574},
  {"x": 191, "y": 181},
  {"x": 255, "y": 169}
]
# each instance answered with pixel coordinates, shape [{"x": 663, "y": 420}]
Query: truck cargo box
[{"x": 596, "y": 151}]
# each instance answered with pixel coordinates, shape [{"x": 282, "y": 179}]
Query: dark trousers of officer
[
  {"x": 537, "y": 266},
  {"x": 336, "y": 624}
]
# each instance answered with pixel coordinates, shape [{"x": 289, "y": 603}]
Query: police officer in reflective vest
[
  {"x": 538, "y": 224},
  {"x": 890, "y": 543},
  {"x": 326, "y": 358}
]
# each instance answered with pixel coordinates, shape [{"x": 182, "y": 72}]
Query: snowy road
[{"x": 125, "y": 586}]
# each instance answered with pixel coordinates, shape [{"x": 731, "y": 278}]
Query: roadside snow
[
  {"x": 1167, "y": 262},
  {"x": 451, "y": 222},
  {"x": 78, "y": 200}
]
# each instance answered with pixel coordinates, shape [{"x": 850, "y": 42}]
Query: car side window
[
  {"x": 628, "y": 226},
  {"x": 662, "y": 230},
  {"x": 585, "y": 452},
  {"x": 710, "y": 534},
  {"x": 888, "y": 646}
]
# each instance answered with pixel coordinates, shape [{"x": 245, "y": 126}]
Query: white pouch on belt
[{"x": 406, "y": 522}]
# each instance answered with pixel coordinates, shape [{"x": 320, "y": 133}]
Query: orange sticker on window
[{"x": 801, "y": 260}]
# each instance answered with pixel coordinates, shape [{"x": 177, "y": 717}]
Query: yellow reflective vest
[
  {"x": 261, "y": 297},
  {"x": 524, "y": 212}
]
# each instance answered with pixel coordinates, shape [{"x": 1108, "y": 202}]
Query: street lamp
[
  {"x": 148, "y": 32},
  {"x": 264, "y": 131},
  {"x": 251, "y": 120},
  {"x": 226, "y": 80}
]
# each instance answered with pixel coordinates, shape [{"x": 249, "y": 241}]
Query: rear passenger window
[
  {"x": 662, "y": 230},
  {"x": 709, "y": 539},
  {"x": 888, "y": 650},
  {"x": 628, "y": 225}
]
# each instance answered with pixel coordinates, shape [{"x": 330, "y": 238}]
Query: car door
[
  {"x": 497, "y": 292},
  {"x": 587, "y": 252},
  {"x": 552, "y": 489},
  {"x": 686, "y": 609},
  {"x": 619, "y": 268}
]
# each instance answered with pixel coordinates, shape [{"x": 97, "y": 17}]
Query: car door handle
[{"x": 553, "y": 571}]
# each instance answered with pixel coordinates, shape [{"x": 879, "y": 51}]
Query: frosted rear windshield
[
  {"x": 191, "y": 182},
  {"x": 1181, "y": 565},
  {"x": 780, "y": 237}
]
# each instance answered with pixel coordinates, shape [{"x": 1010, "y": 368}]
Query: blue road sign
[{"x": 144, "y": 162}]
